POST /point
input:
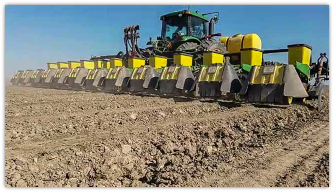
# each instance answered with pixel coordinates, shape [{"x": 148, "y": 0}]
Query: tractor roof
[{"x": 188, "y": 12}]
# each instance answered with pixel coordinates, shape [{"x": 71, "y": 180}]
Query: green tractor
[
  {"x": 182, "y": 31},
  {"x": 186, "y": 32}
]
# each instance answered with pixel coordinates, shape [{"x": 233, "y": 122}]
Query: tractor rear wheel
[
  {"x": 212, "y": 45},
  {"x": 187, "y": 46}
]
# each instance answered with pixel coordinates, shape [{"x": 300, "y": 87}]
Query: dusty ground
[
  {"x": 7, "y": 81},
  {"x": 67, "y": 138}
]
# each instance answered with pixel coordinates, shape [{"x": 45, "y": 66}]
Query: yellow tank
[
  {"x": 158, "y": 62},
  {"x": 183, "y": 59},
  {"x": 244, "y": 49},
  {"x": 88, "y": 64},
  {"x": 238, "y": 42},
  {"x": 116, "y": 62},
  {"x": 223, "y": 40},
  {"x": 251, "y": 57},
  {"x": 52, "y": 66},
  {"x": 300, "y": 53},
  {"x": 210, "y": 58},
  {"x": 74, "y": 64},
  {"x": 135, "y": 62},
  {"x": 63, "y": 65}
]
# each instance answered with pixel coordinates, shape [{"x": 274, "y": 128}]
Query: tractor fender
[
  {"x": 102, "y": 73},
  {"x": 123, "y": 77},
  {"x": 151, "y": 74},
  {"x": 230, "y": 80},
  {"x": 293, "y": 86},
  {"x": 184, "y": 75}
]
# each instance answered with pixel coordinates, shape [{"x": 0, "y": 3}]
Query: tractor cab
[
  {"x": 183, "y": 31},
  {"x": 182, "y": 26}
]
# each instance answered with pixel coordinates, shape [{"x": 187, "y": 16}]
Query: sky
[{"x": 35, "y": 35}]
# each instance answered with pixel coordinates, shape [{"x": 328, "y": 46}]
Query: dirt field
[
  {"x": 7, "y": 81},
  {"x": 65, "y": 138}
]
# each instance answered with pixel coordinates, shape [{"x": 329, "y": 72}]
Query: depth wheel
[{"x": 287, "y": 100}]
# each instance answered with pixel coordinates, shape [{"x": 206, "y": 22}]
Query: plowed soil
[{"x": 62, "y": 138}]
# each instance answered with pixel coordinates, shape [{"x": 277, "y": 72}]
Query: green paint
[
  {"x": 192, "y": 13},
  {"x": 246, "y": 67},
  {"x": 303, "y": 68}
]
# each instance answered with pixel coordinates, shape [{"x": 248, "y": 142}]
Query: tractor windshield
[
  {"x": 173, "y": 27},
  {"x": 197, "y": 27}
]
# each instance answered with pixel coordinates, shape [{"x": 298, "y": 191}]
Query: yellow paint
[
  {"x": 100, "y": 64},
  {"x": 215, "y": 76},
  {"x": 252, "y": 41},
  {"x": 52, "y": 66},
  {"x": 46, "y": 73},
  {"x": 113, "y": 73},
  {"x": 74, "y": 72},
  {"x": 24, "y": 75},
  {"x": 287, "y": 100},
  {"x": 238, "y": 42},
  {"x": 183, "y": 59},
  {"x": 92, "y": 73},
  {"x": 210, "y": 58},
  {"x": 234, "y": 43},
  {"x": 63, "y": 65},
  {"x": 116, "y": 62},
  {"x": 300, "y": 53},
  {"x": 88, "y": 64},
  {"x": 223, "y": 40},
  {"x": 170, "y": 73},
  {"x": 107, "y": 64},
  {"x": 17, "y": 73},
  {"x": 34, "y": 74},
  {"x": 74, "y": 64},
  {"x": 135, "y": 63},
  {"x": 58, "y": 73},
  {"x": 275, "y": 78},
  {"x": 251, "y": 57},
  {"x": 139, "y": 75},
  {"x": 158, "y": 62}
]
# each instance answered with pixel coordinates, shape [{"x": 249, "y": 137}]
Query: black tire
[
  {"x": 212, "y": 45},
  {"x": 147, "y": 52},
  {"x": 187, "y": 46}
]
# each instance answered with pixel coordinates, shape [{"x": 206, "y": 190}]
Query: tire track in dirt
[
  {"x": 175, "y": 144},
  {"x": 300, "y": 171},
  {"x": 14, "y": 150},
  {"x": 275, "y": 162}
]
